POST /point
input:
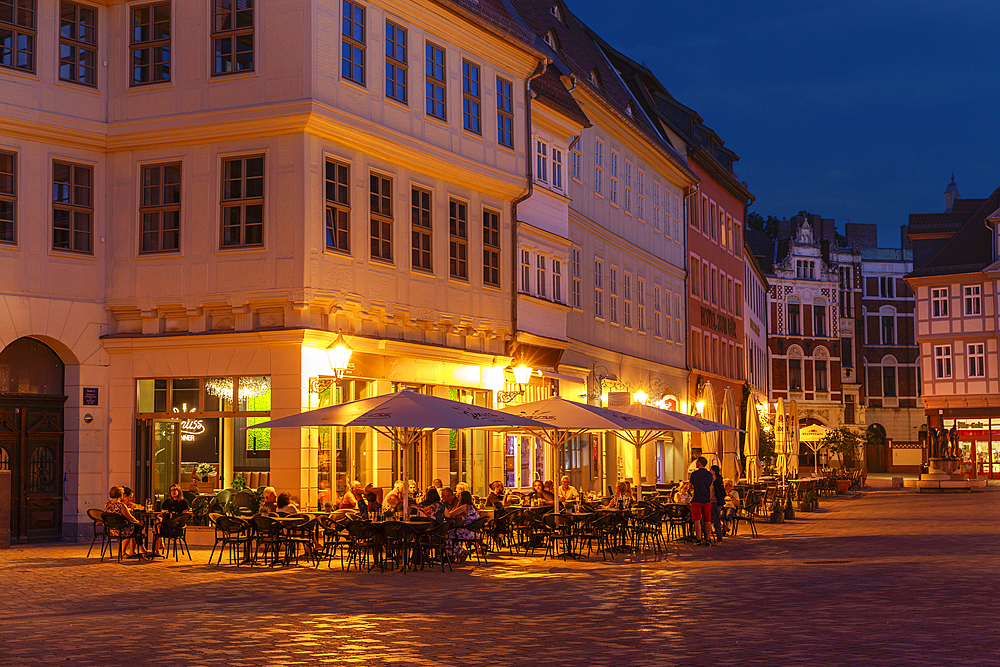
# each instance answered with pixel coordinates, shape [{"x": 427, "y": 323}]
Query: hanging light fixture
[
  {"x": 340, "y": 356},
  {"x": 522, "y": 376},
  {"x": 640, "y": 397}
]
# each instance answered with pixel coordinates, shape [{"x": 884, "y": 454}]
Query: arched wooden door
[{"x": 31, "y": 438}]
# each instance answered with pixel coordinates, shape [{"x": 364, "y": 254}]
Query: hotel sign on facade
[{"x": 715, "y": 321}]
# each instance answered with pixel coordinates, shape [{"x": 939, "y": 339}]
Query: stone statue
[
  {"x": 932, "y": 443},
  {"x": 953, "y": 437}
]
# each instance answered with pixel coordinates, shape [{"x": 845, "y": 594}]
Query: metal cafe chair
[{"x": 100, "y": 530}]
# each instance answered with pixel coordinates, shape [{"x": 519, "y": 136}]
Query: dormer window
[
  {"x": 554, "y": 10},
  {"x": 595, "y": 79},
  {"x": 550, "y": 39},
  {"x": 628, "y": 109}
]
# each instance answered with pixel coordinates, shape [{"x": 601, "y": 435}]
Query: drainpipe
[{"x": 515, "y": 251}]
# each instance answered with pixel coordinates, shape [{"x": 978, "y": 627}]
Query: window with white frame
[
  {"x": 613, "y": 276},
  {"x": 973, "y": 300},
  {"x": 641, "y": 303},
  {"x": 695, "y": 280},
  {"x": 977, "y": 360},
  {"x": 557, "y": 281},
  {"x": 577, "y": 278},
  {"x": 541, "y": 161},
  {"x": 657, "y": 313},
  {"x": 599, "y": 167},
  {"x": 656, "y": 206},
  {"x": 939, "y": 302},
  {"x": 942, "y": 361},
  {"x": 614, "y": 178},
  {"x": 557, "y": 168},
  {"x": 598, "y": 288},
  {"x": 628, "y": 301},
  {"x": 628, "y": 186},
  {"x": 577, "y": 160},
  {"x": 677, "y": 218},
  {"x": 640, "y": 201},
  {"x": 540, "y": 274},
  {"x": 668, "y": 314},
  {"x": 677, "y": 319},
  {"x": 526, "y": 272}
]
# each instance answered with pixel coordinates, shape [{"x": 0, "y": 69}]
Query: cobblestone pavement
[{"x": 884, "y": 578}]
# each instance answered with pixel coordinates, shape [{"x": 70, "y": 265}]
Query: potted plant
[
  {"x": 205, "y": 470},
  {"x": 789, "y": 510},
  {"x": 809, "y": 501},
  {"x": 239, "y": 482},
  {"x": 777, "y": 512}
]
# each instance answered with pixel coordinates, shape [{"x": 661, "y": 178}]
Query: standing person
[
  {"x": 718, "y": 501},
  {"x": 701, "y": 503}
]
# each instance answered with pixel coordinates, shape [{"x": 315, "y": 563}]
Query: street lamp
[
  {"x": 339, "y": 354},
  {"x": 699, "y": 406},
  {"x": 640, "y": 397},
  {"x": 522, "y": 375}
]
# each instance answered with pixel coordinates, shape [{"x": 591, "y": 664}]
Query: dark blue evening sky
[{"x": 859, "y": 111}]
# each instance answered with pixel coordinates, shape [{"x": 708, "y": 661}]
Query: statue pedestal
[{"x": 945, "y": 475}]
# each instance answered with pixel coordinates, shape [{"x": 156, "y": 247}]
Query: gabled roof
[
  {"x": 495, "y": 13},
  {"x": 944, "y": 223},
  {"x": 971, "y": 247},
  {"x": 580, "y": 53},
  {"x": 553, "y": 93}
]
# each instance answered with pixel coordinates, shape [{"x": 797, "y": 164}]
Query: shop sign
[
  {"x": 670, "y": 402},
  {"x": 976, "y": 425},
  {"x": 191, "y": 428},
  {"x": 718, "y": 322}
]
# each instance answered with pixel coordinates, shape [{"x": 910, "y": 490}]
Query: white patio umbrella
[
  {"x": 730, "y": 441},
  {"x": 752, "y": 443},
  {"x": 780, "y": 439},
  {"x": 564, "y": 420},
  {"x": 404, "y": 418},
  {"x": 793, "y": 441},
  {"x": 675, "y": 421},
  {"x": 710, "y": 449}
]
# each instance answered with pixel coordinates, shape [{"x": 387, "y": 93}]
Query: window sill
[
  {"x": 24, "y": 74},
  {"x": 466, "y": 132},
  {"x": 233, "y": 76},
  {"x": 10, "y": 246},
  {"x": 82, "y": 87},
  {"x": 159, "y": 255},
  {"x": 240, "y": 250},
  {"x": 139, "y": 87},
  {"x": 73, "y": 254},
  {"x": 402, "y": 106},
  {"x": 360, "y": 87}
]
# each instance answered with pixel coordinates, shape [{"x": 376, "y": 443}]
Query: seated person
[
  {"x": 465, "y": 512},
  {"x": 414, "y": 491},
  {"x": 622, "y": 500},
  {"x": 539, "y": 496},
  {"x": 431, "y": 506},
  {"x": 498, "y": 497},
  {"x": 684, "y": 493},
  {"x": 174, "y": 505},
  {"x": 350, "y": 499},
  {"x": 567, "y": 493},
  {"x": 128, "y": 497},
  {"x": 270, "y": 502},
  {"x": 437, "y": 484},
  {"x": 132, "y": 534},
  {"x": 549, "y": 489},
  {"x": 393, "y": 502},
  {"x": 285, "y": 505},
  {"x": 373, "y": 508}
]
